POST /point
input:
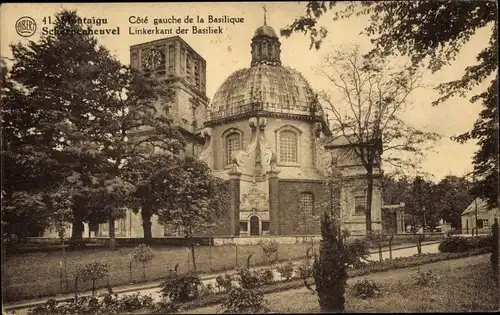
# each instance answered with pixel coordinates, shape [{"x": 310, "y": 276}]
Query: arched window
[
  {"x": 288, "y": 147},
  {"x": 307, "y": 204},
  {"x": 233, "y": 144}
]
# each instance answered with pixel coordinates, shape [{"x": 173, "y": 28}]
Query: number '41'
[{"x": 47, "y": 20}]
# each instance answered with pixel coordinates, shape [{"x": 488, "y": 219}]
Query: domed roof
[
  {"x": 263, "y": 87},
  {"x": 265, "y": 30}
]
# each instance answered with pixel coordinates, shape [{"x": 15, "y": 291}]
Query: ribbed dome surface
[
  {"x": 271, "y": 88},
  {"x": 265, "y": 30}
]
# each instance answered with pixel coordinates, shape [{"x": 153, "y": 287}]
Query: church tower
[{"x": 172, "y": 60}]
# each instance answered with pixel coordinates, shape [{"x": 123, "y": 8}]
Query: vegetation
[
  {"x": 463, "y": 244},
  {"x": 181, "y": 287},
  {"x": 93, "y": 271},
  {"x": 143, "y": 254},
  {"x": 70, "y": 113},
  {"x": 470, "y": 280},
  {"x": 330, "y": 269},
  {"x": 403, "y": 28},
  {"x": 365, "y": 289},
  {"x": 190, "y": 197},
  {"x": 375, "y": 95}
]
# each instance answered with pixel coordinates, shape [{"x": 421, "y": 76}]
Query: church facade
[{"x": 267, "y": 135}]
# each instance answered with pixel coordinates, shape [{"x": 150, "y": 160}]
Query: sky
[{"x": 230, "y": 51}]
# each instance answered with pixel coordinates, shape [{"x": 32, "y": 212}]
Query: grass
[
  {"x": 40, "y": 274},
  {"x": 465, "y": 285}
]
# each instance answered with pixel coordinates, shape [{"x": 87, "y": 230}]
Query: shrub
[
  {"x": 224, "y": 283},
  {"x": 365, "y": 289},
  {"x": 286, "y": 271},
  {"x": 356, "y": 250},
  {"x": 101, "y": 304},
  {"x": 93, "y": 271},
  {"x": 206, "y": 289},
  {"x": 248, "y": 279},
  {"x": 266, "y": 276},
  {"x": 181, "y": 287},
  {"x": 424, "y": 278},
  {"x": 462, "y": 244},
  {"x": 304, "y": 270},
  {"x": 244, "y": 301},
  {"x": 143, "y": 254},
  {"x": 269, "y": 249}
]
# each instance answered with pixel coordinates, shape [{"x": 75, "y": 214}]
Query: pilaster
[
  {"x": 234, "y": 203},
  {"x": 274, "y": 214}
]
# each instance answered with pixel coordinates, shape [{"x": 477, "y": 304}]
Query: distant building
[{"x": 485, "y": 217}]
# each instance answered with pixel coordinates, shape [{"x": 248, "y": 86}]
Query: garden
[{"x": 244, "y": 291}]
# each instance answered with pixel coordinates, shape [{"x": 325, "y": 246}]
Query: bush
[
  {"x": 286, "y": 271},
  {"x": 304, "y": 270},
  {"x": 248, "y": 279},
  {"x": 266, "y": 276},
  {"x": 181, "y": 287},
  {"x": 356, "y": 250},
  {"x": 365, "y": 289},
  {"x": 269, "y": 249},
  {"x": 244, "y": 301},
  {"x": 101, "y": 304},
  {"x": 224, "y": 283},
  {"x": 463, "y": 244},
  {"x": 206, "y": 289},
  {"x": 424, "y": 278}
]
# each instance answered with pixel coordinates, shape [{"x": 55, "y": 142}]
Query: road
[{"x": 404, "y": 252}]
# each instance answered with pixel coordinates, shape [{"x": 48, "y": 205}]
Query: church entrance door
[{"x": 254, "y": 225}]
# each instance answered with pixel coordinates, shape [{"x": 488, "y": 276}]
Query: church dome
[
  {"x": 266, "y": 86},
  {"x": 265, "y": 30},
  {"x": 274, "y": 89}
]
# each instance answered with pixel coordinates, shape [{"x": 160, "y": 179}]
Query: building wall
[
  {"x": 468, "y": 221},
  {"x": 304, "y": 169},
  {"x": 292, "y": 221}
]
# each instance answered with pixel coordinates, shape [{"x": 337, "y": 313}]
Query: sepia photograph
[{"x": 249, "y": 157}]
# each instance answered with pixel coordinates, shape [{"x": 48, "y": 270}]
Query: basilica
[{"x": 265, "y": 133}]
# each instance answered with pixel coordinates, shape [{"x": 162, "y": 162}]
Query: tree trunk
[
  {"x": 112, "y": 237},
  {"x": 192, "y": 252},
  {"x": 146, "y": 215},
  {"x": 369, "y": 197},
  {"x": 76, "y": 231}
]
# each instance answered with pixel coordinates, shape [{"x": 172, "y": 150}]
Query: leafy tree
[
  {"x": 93, "y": 271},
  {"x": 73, "y": 108},
  {"x": 375, "y": 94},
  {"x": 454, "y": 196},
  {"x": 415, "y": 29},
  {"x": 191, "y": 197},
  {"x": 49, "y": 109},
  {"x": 143, "y": 254}
]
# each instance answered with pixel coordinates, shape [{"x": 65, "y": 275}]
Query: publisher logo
[{"x": 25, "y": 26}]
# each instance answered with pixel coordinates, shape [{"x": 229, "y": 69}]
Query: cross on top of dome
[{"x": 265, "y": 45}]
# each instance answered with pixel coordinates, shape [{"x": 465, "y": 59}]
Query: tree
[
  {"x": 49, "y": 130},
  {"x": 191, "y": 197},
  {"x": 454, "y": 196},
  {"x": 71, "y": 107},
  {"x": 414, "y": 28},
  {"x": 375, "y": 95}
]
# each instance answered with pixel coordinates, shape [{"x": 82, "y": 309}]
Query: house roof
[{"x": 482, "y": 207}]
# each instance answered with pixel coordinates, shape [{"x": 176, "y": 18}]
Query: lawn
[
  {"x": 39, "y": 274},
  {"x": 464, "y": 285}
]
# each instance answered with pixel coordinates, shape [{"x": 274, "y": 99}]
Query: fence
[{"x": 47, "y": 274}]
